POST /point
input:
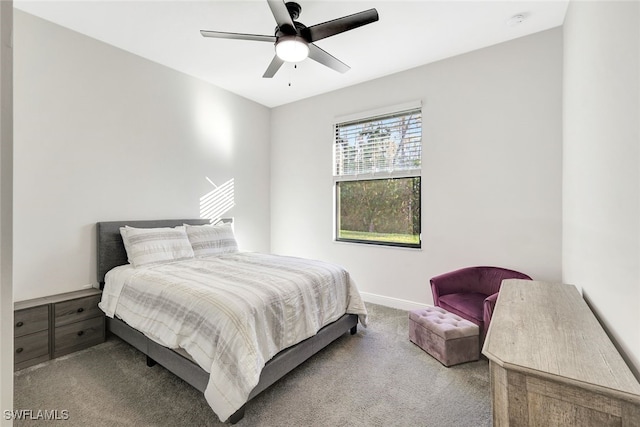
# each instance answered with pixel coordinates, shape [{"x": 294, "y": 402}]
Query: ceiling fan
[{"x": 294, "y": 41}]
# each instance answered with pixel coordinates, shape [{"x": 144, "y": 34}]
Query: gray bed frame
[{"x": 111, "y": 253}]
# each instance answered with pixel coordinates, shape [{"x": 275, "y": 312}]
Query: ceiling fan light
[{"x": 292, "y": 48}]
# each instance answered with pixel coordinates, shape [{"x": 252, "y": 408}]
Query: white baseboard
[{"x": 398, "y": 303}]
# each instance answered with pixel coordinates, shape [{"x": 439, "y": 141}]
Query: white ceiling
[{"x": 408, "y": 34}]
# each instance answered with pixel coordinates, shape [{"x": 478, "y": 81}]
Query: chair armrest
[
  {"x": 463, "y": 280},
  {"x": 489, "y": 306}
]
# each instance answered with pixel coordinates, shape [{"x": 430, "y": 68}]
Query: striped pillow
[
  {"x": 147, "y": 246},
  {"x": 211, "y": 239}
]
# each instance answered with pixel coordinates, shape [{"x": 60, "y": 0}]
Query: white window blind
[{"x": 388, "y": 145}]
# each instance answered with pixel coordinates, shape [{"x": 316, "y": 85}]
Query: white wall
[
  {"x": 601, "y": 231},
  {"x": 6, "y": 208},
  {"x": 492, "y": 150},
  {"x": 101, "y": 134}
]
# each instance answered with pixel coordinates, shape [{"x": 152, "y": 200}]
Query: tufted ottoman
[{"x": 445, "y": 336}]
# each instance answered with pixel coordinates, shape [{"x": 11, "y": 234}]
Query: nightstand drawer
[
  {"x": 67, "y": 312},
  {"x": 31, "y": 347},
  {"x": 78, "y": 335},
  {"x": 31, "y": 320}
]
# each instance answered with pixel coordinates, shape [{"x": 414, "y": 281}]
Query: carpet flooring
[{"x": 375, "y": 378}]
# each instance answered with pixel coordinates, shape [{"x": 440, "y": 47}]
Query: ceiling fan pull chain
[{"x": 295, "y": 67}]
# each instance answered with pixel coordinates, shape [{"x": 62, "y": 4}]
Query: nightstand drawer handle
[
  {"x": 80, "y": 310},
  {"x": 19, "y": 324},
  {"x": 80, "y": 333},
  {"x": 19, "y": 350}
]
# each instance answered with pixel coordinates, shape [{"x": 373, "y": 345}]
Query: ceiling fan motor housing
[
  {"x": 299, "y": 28},
  {"x": 294, "y": 9}
]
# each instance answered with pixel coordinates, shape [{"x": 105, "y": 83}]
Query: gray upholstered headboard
[{"x": 111, "y": 252}]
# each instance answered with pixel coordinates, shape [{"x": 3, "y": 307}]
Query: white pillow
[
  {"x": 155, "y": 245},
  {"x": 211, "y": 239}
]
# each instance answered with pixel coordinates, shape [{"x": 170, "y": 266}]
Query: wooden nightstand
[
  {"x": 50, "y": 327},
  {"x": 31, "y": 332}
]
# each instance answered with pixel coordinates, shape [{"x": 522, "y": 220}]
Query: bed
[{"x": 112, "y": 258}]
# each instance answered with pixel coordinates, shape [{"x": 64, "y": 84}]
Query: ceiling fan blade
[
  {"x": 273, "y": 68},
  {"x": 340, "y": 25},
  {"x": 281, "y": 13},
  {"x": 325, "y": 58},
  {"x": 238, "y": 36}
]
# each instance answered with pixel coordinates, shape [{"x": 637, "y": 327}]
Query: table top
[
  {"x": 548, "y": 330},
  {"x": 81, "y": 293}
]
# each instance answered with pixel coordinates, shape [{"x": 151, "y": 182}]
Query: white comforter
[{"x": 232, "y": 312}]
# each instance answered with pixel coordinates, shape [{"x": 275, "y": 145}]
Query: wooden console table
[{"x": 551, "y": 363}]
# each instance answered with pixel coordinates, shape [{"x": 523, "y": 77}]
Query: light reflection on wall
[
  {"x": 217, "y": 202},
  {"x": 214, "y": 124}
]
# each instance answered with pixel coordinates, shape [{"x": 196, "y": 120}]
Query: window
[{"x": 377, "y": 168}]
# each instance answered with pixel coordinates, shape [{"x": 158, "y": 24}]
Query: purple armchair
[{"x": 471, "y": 292}]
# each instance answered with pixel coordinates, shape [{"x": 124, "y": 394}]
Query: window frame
[{"x": 410, "y": 173}]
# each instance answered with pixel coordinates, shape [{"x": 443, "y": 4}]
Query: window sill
[{"x": 376, "y": 245}]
